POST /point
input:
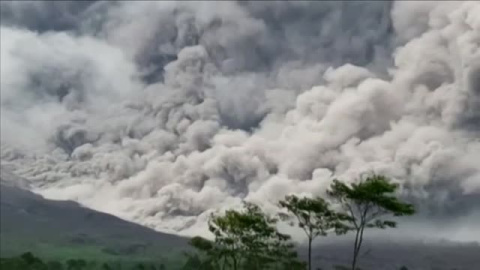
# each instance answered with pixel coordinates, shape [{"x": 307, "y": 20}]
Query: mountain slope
[{"x": 64, "y": 228}]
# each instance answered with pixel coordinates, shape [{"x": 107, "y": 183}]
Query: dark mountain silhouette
[{"x": 47, "y": 227}]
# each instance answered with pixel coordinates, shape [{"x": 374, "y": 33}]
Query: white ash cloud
[{"x": 161, "y": 112}]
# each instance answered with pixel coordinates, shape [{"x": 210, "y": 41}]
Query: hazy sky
[{"x": 162, "y": 112}]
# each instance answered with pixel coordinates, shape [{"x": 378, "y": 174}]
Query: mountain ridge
[{"x": 29, "y": 221}]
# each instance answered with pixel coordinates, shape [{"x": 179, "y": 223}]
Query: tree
[
  {"x": 33, "y": 262},
  {"x": 365, "y": 203},
  {"x": 207, "y": 257},
  {"x": 76, "y": 264},
  {"x": 140, "y": 266},
  {"x": 247, "y": 239},
  {"x": 313, "y": 216},
  {"x": 106, "y": 266},
  {"x": 54, "y": 265},
  {"x": 71, "y": 264}
]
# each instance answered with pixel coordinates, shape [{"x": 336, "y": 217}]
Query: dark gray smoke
[{"x": 161, "y": 112}]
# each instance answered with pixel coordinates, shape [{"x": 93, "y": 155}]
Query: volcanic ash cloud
[{"x": 162, "y": 112}]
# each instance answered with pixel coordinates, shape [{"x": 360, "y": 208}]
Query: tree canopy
[
  {"x": 313, "y": 216},
  {"x": 365, "y": 203},
  {"x": 248, "y": 239}
]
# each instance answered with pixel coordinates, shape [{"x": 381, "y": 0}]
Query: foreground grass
[{"x": 55, "y": 250}]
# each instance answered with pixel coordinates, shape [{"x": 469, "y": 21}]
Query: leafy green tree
[
  {"x": 140, "y": 266},
  {"x": 208, "y": 257},
  {"x": 32, "y": 262},
  {"x": 76, "y": 264},
  {"x": 199, "y": 262},
  {"x": 247, "y": 239},
  {"x": 313, "y": 216},
  {"x": 55, "y": 265},
  {"x": 81, "y": 264},
  {"x": 364, "y": 205},
  {"x": 71, "y": 264},
  {"x": 92, "y": 265},
  {"x": 29, "y": 258},
  {"x": 106, "y": 266},
  {"x": 250, "y": 239},
  {"x": 13, "y": 263}
]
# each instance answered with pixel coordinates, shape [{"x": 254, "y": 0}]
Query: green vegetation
[
  {"x": 364, "y": 204},
  {"x": 313, "y": 216},
  {"x": 28, "y": 261},
  {"x": 60, "y": 250},
  {"x": 245, "y": 239},
  {"x": 249, "y": 239}
]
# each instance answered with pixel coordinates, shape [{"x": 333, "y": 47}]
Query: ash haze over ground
[{"x": 162, "y": 112}]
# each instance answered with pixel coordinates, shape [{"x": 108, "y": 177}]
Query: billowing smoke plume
[{"x": 161, "y": 112}]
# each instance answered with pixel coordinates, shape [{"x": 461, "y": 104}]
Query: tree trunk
[
  {"x": 224, "y": 263},
  {"x": 309, "y": 253},
  {"x": 358, "y": 244},
  {"x": 354, "y": 262},
  {"x": 234, "y": 263},
  {"x": 355, "y": 250}
]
